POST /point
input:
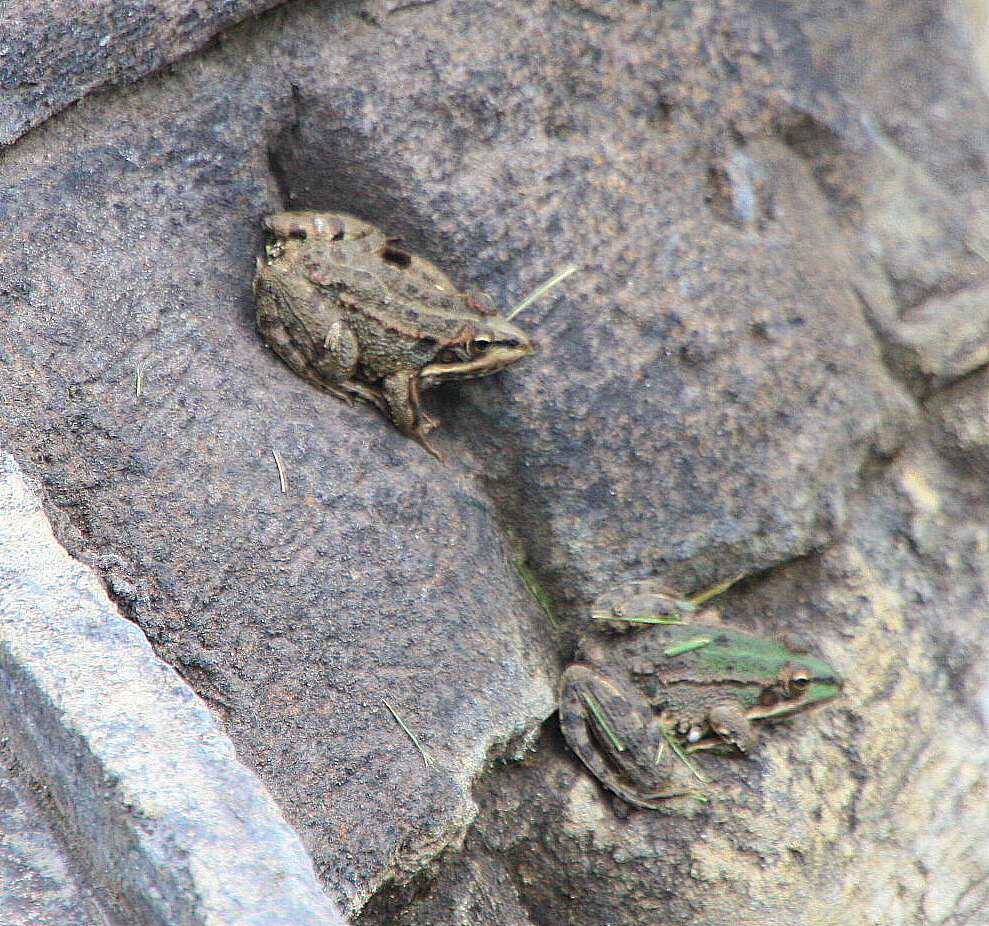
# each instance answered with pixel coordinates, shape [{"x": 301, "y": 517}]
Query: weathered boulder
[{"x": 779, "y": 218}]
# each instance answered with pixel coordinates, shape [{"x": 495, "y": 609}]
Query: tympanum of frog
[
  {"x": 631, "y": 700},
  {"x": 351, "y": 310}
]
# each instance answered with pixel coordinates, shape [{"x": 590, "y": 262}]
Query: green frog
[{"x": 638, "y": 701}]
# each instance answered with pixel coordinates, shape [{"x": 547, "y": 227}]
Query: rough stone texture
[
  {"x": 52, "y": 52},
  {"x": 143, "y": 781},
  {"x": 39, "y": 885},
  {"x": 877, "y": 803},
  {"x": 780, "y": 215},
  {"x": 974, "y": 16}
]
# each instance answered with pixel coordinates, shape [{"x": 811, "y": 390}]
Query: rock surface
[
  {"x": 863, "y": 805},
  {"x": 41, "y": 886},
  {"x": 56, "y": 51},
  {"x": 769, "y": 363},
  {"x": 145, "y": 785}
]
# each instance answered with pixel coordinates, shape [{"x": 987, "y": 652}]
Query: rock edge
[{"x": 145, "y": 784}]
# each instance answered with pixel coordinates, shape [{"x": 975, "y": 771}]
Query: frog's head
[
  {"x": 801, "y": 681},
  {"x": 483, "y": 345},
  {"x": 771, "y": 678}
]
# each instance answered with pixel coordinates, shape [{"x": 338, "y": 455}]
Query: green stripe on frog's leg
[{"x": 599, "y": 716}]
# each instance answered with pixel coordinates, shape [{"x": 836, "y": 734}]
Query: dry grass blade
[
  {"x": 280, "y": 463},
  {"x": 426, "y": 757},
  {"x": 541, "y": 290}
]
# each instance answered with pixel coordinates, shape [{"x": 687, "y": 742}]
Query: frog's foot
[
  {"x": 403, "y": 397},
  {"x": 351, "y": 389},
  {"x": 732, "y": 726},
  {"x": 657, "y": 799}
]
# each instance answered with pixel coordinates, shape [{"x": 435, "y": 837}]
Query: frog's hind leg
[
  {"x": 352, "y": 389},
  {"x": 620, "y": 741}
]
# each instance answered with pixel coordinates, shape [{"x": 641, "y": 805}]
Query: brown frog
[{"x": 349, "y": 309}]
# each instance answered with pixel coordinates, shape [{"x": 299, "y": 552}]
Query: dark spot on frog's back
[{"x": 396, "y": 256}]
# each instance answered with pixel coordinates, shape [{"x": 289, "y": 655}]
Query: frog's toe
[{"x": 421, "y": 438}]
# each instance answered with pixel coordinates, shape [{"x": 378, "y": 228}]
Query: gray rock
[
  {"x": 41, "y": 883},
  {"x": 824, "y": 814},
  {"x": 144, "y": 783},
  {"x": 774, "y": 210},
  {"x": 53, "y": 52}
]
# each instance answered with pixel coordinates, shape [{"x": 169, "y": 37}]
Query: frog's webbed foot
[{"x": 620, "y": 740}]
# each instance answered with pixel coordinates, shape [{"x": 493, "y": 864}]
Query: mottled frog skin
[{"x": 349, "y": 309}]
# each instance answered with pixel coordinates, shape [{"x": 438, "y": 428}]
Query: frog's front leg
[
  {"x": 620, "y": 740},
  {"x": 401, "y": 394},
  {"x": 731, "y": 724}
]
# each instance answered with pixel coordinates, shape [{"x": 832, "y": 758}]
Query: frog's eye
[
  {"x": 479, "y": 346},
  {"x": 795, "y": 679},
  {"x": 797, "y": 686}
]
